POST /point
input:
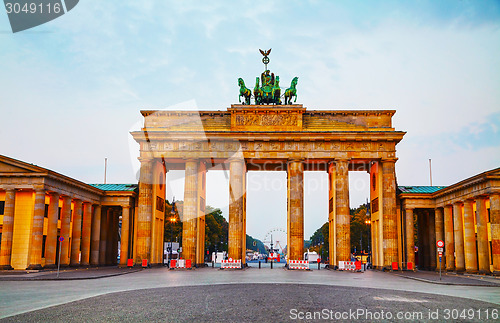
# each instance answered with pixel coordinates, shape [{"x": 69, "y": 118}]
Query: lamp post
[{"x": 172, "y": 221}]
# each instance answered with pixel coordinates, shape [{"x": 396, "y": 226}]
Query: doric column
[
  {"x": 37, "y": 231},
  {"x": 103, "y": 237},
  {"x": 110, "y": 236},
  {"x": 342, "y": 211},
  {"x": 86, "y": 231},
  {"x": 439, "y": 227},
  {"x": 145, "y": 211},
  {"x": 65, "y": 226},
  {"x": 96, "y": 235},
  {"x": 51, "y": 240},
  {"x": 458, "y": 235},
  {"x": 190, "y": 212},
  {"x": 8, "y": 229},
  {"x": 76, "y": 233},
  {"x": 389, "y": 212},
  {"x": 449, "y": 242},
  {"x": 495, "y": 230},
  {"x": 332, "y": 238},
  {"x": 236, "y": 207},
  {"x": 124, "y": 235},
  {"x": 410, "y": 240},
  {"x": 295, "y": 185},
  {"x": 470, "y": 238},
  {"x": 482, "y": 235}
]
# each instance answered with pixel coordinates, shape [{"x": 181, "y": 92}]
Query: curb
[
  {"x": 18, "y": 278},
  {"x": 444, "y": 283}
]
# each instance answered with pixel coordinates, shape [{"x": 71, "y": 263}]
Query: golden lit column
[
  {"x": 458, "y": 235},
  {"x": 37, "y": 231},
  {"x": 86, "y": 232},
  {"x": 51, "y": 240},
  {"x": 103, "y": 236},
  {"x": 439, "y": 227},
  {"x": 65, "y": 226},
  {"x": 470, "y": 238},
  {"x": 8, "y": 229},
  {"x": 76, "y": 233},
  {"x": 332, "y": 241},
  {"x": 449, "y": 242},
  {"x": 410, "y": 240},
  {"x": 145, "y": 211},
  {"x": 96, "y": 235},
  {"x": 236, "y": 207},
  {"x": 124, "y": 235},
  {"x": 389, "y": 225},
  {"x": 495, "y": 230},
  {"x": 191, "y": 211},
  {"x": 482, "y": 235},
  {"x": 295, "y": 223},
  {"x": 342, "y": 211}
]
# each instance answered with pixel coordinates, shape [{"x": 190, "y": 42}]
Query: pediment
[{"x": 8, "y": 165}]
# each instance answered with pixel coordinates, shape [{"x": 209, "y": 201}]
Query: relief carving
[{"x": 266, "y": 120}]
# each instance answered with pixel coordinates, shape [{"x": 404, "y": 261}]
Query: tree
[
  {"x": 259, "y": 246},
  {"x": 359, "y": 229},
  {"x": 176, "y": 226},
  {"x": 216, "y": 230}
]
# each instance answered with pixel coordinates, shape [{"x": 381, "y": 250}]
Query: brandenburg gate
[{"x": 269, "y": 137}]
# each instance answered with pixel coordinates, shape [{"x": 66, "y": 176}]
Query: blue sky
[{"x": 71, "y": 89}]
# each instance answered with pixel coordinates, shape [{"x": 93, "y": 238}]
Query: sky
[{"x": 71, "y": 89}]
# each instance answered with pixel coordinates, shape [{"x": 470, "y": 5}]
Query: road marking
[{"x": 399, "y": 299}]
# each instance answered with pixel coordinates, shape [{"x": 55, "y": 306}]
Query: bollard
[
  {"x": 213, "y": 264},
  {"x": 259, "y": 264},
  {"x": 319, "y": 264},
  {"x": 271, "y": 264}
]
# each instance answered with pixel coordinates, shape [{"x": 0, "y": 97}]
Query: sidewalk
[
  {"x": 65, "y": 274},
  {"x": 450, "y": 278}
]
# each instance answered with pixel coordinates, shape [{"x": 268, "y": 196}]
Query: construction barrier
[
  {"x": 350, "y": 265},
  {"x": 231, "y": 264},
  {"x": 144, "y": 263},
  {"x": 172, "y": 263},
  {"x": 130, "y": 262},
  {"x": 409, "y": 265},
  {"x": 298, "y": 264},
  {"x": 395, "y": 266}
]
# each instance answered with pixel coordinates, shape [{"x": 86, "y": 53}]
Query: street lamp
[{"x": 173, "y": 219}]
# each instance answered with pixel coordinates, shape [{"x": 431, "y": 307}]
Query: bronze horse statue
[
  {"x": 291, "y": 92},
  {"x": 257, "y": 92},
  {"x": 244, "y": 92}
]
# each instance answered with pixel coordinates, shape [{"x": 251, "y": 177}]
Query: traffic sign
[
  {"x": 440, "y": 243},
  {"x": 440, "y": 253},
  {"x": 440, "y": 249},
  {"x": 61, "y": 239}
]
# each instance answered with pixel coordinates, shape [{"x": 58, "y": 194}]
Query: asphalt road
[{"x": 265, "y": 303}]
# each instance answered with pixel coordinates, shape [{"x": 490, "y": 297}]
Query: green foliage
[
  {"x": 176, "y": 226},
  {"x": 216, "y": 230},
  {"x": 359, "y": 229},
  {"x": 259, "y": 246}
]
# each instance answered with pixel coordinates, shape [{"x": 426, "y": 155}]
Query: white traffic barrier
[
  {"x": 298, "y": 264},
  {"x": 231, "y": 264},
  {"x": 349, "y": 266}
]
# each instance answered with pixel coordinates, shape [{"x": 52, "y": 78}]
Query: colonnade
[
  {"x": 89, "y": 231},
  {"x": 468, "y": 246}
]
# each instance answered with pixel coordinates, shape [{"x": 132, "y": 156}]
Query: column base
[
  {"x": 52, "y": 266},
  {"x": 6, "y": 267},
  {"x": 483, "y": 272},
  {"x": 34, "y": 267},
  {"x": 472, "y": 271},
  {"x": 460, "y": 270},
  {"x": 496, "y": 273},
  {"x": 74, "y": 265}
]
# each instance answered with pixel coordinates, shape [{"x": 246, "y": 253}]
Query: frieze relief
[{"x": 267, "y": 120}]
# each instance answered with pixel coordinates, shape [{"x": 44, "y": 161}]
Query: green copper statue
[
  {"x": 267, "y": 88},
  {"x": 244, "y": 91}
]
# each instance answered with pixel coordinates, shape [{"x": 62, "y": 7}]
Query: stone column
[
  {"x": 389, "y": 212},
  {"x": 410, "y": 236},
  {"x": 124, "y": 235},
  {"x": 295, "y": 184},
  {"x": 482, "y": 235},
  {"x": 190, "y": 212},
  {"x": 439, "y": 226},
  {"x": 449, "y": 241},
  {"x": 342, "y": 211},
  {"x": 470, "y": 238},
  {"x": 103, "y": 237},
  {"x": 86, "y": 232},
  {"x": 145, "y": 211},
  {"x": 495, "y": 230},
  {"x": 96, "y": 235},
  {"x": 37, "y": 231},
  {"x": 65, "y": 226},
  {"x": 110, "y": 236},
  {"x": 51, "y": 240},
  {"x": 8, "y": 229},
  {"x": 76, "y": 233},
  {"x": 236, "y": 206},
  {"x": 332, "y": 238},
  {"x": 458, "y": 235}
]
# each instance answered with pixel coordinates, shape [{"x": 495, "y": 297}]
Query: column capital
[
  {"x": 389, "y": 160},
  {"x": 125, "y": 206},
  {"x": 54, "y": 194},
  {"x": 342, "y": 160},
  {"x": 458, "y": 203},
  {"x": 145, "y": 159},
  {"x": 409, "y": 208},
  {"x": 295, "y": 160},
  {"x": 230, "y": 160}
]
